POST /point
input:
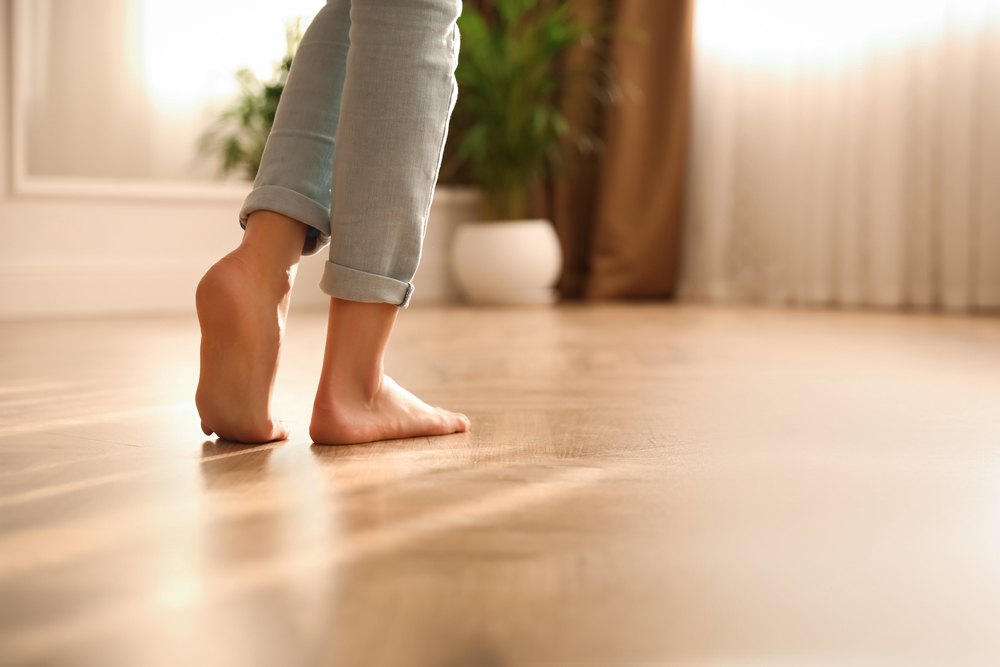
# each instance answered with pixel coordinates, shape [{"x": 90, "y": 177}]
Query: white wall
[{"x": 76, "y": 255}]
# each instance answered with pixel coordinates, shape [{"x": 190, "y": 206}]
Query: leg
[
  {"x": 243, "y": 300},
  {"x": 398, "y": 94},
  {"x": 294, "y": 175}
]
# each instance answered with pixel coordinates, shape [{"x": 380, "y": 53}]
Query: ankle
[
  {"x": 263, "y": 267},
  {"x": 357, "y": 336},
  {"x": 273, "y": 241},
  {"x": 352, "y": 384}
]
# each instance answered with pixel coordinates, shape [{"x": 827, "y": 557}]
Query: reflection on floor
[{"x": 643, "y": 485}]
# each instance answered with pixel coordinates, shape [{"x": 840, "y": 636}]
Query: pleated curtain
[
  {"x": 845, "y": 153},
  {"x": 619, "y": 214}
]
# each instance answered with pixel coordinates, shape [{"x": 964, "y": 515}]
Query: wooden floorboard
[{"x": 643, "y": 485}]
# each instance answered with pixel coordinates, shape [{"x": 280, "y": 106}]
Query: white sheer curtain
[
  {"x": 125, "y": 88},
  {"x": 846, "y": 152}
]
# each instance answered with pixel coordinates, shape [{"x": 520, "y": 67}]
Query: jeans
[{"x": 357, "y": 140}]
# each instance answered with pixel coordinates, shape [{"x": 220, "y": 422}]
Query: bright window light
[
  {"x": 191, "y": 48},
  {"x": 772, "y": 31}
]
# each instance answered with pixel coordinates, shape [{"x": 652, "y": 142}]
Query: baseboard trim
[
  {"x": 166, "y": 285},
  {"x": 99, "y": 288}
]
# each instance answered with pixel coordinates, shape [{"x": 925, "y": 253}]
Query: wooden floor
[{"x": 643, "y": 485}]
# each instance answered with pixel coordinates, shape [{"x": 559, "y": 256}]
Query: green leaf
[
  {"x": 508, "y": 121},
  {"x": 240, "y": 133}
]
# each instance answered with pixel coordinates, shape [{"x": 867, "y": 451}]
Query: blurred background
[{"x": 827, "y": 153}]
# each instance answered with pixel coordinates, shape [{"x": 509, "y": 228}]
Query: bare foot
[
  {"x": 391, "y": 413},
  {"x": 356, "y": 402},
  {"x": 242, "y": 304}
]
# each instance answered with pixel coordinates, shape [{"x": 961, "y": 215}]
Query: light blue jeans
[{"x": 357, "y": 140}]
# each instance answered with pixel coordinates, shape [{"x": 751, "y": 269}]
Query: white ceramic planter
[
  {"x": 511, "y": 262},
  {"x": 433, "y": 282}
]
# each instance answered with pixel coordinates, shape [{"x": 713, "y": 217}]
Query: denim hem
[
  {"x": 343, "y": 282},
  {"x": 296, "y": 206}
]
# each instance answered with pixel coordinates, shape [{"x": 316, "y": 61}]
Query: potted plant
[{"x": 510, "y": 135}]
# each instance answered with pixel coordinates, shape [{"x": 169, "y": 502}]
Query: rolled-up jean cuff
[
  {"x": 296, "y": 206},
  {"x": 350, "y": 284}
]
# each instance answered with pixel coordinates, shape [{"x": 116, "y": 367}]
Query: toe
[
  {"x": 461, "y": 422},
  {"x": 205, "y": 429},
  {"x": 279, "y": 430}
]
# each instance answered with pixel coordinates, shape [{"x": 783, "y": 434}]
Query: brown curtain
[{"x": 619, "y": 215}]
